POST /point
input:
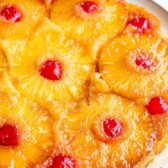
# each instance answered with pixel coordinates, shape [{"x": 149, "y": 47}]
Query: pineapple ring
[
  {"x": 92, "y": 28},
  {"x": 31, "y": 11},
  {"x": 160, "y": 113},
  {"x": 2, "y": 63},
  {"x": 149, "y": 22},
  {"x": 66, "y": 126},
  {"x": 24, "y": 67},
  {"x": 5, "y": 83},
  {"x": 81, "y": 137},
  {"x": 160, "y": 147},
  {"x": 55, "y": 161},
  {"x": 34, "y": 127},
  {"x": 132, "y": 79},
  {"x": 161, "y": 125}
]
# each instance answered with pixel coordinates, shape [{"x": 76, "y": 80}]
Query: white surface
[
  {"x": 161, "y": 161},
  {"x": 163, "y": 3}
]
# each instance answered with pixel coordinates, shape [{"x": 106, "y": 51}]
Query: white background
[{"x": 163, "y": 3}]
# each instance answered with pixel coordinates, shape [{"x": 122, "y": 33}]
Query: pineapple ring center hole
[
  {"x": 8, "y": 135},
  {"x": 157, "y": 106},
  {"x": 141, "y": 60},
  {"x": 85, "y": 9},
  {"x": 62, "y": 161},
  {"x": 51, "y": 70},
  {"x": 140, "y": 23},
  {"x": 112, "y": 127},
  {"x": 89, "y": 7},
  {"x": 11, "y": 13}
]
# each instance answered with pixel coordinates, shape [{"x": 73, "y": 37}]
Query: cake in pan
[{"x": 83, "y": 84}]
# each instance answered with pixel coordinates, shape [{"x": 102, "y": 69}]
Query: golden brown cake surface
[{"x": 83, "y": 84}]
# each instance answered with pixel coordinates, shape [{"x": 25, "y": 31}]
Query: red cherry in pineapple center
[
  {"x": 51, "y": 70},
  {"x": 8, "y": 135},
  {"x": 89, "y": 6},
  {"x": 157, "y": 105},
  {"x": 112, "y": 127},
  {"x": 62, "y": 162},
  {"x": 140, "y": 23},
  {"x": 11, "y": 13},
  {"x": 144, "y": 62}
]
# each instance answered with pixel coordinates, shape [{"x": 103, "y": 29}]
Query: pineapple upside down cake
[{"x": 83, "y": 84}]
